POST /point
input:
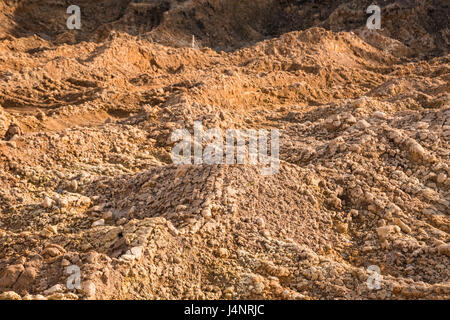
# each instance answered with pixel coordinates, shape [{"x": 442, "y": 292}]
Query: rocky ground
[{"x": 87, "y": 178}]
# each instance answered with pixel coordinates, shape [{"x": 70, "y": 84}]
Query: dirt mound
[
  {"x": 227, "y": 25},
  {"x": 88, "y": 183}
]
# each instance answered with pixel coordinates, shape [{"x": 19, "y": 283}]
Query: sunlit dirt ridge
[{"x": 87, "y": 179}]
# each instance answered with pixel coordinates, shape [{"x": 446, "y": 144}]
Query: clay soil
[{"x": 87, "y": 180}]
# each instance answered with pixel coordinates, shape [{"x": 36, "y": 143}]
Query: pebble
[
  {"x": 266, "y": 233},
  {"x": 98, "y": 223},
  {"x": 65, "y": 263},
  {"x": 417, "y": 152},
  {"x": 441, "y": 178},
  {"x": 57, "y": 288},
  {"x": 362, "y": 124},
  {"x": 383, "y": 232},
  {"x": 63, "y": 203},
  {"x": 379, "y": 115},
  {"x": 172, "y": 230},
  {"x": 121, "y": 221},
  {"x": 88, "y": 288},
  {"x": 223, "y": 252},
  {"x": 206, "y": 213},
  {"x": 137, "y": 252},
  {"x": 47, "y": 203},
  {"x": 107, "y": 215},
  {"x": 260, "y": 222},
  {"x": 49, "y": 231},
  {"x": 342, "y": 227},
  {"x": 402, "y": 225}
]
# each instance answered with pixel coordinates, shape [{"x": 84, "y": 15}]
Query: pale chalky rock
[
  {"x": 98, "y": 223},
  {"x": 379, "y": 115},
  {"x": 402, "y": 225},
  {"x": 416, "y": 151},
  {"x": 137, "y": 252},
  {"x": 441, "y": 178},
  {"x": 47, "y": 203},
  {"x": 10, "y": 295},
  {"x": 57, "y": 288}
]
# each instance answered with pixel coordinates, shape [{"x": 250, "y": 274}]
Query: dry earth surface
[{"x": 86, "y": 176}]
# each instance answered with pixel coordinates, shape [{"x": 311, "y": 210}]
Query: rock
[
  {"x": 73, "y": 185},
  {"x": 107, "y": 215},
  {"x": 260, "y": 222},
  {"x": 391, "y": 210},
  {"x": 127, "y": 257},
  {"x": 206, "y": 213},
  {"x": 351, "y": 120},
  {"x": 51, "y": 252},
  {"x": 41, "y": 115},
  {"x": 47, "y": 203},
  {"x": 97, "y": 208},
  {"x": 14, "y": 138},
  {"x": 222, "y": 253},
  {"x": 342, "y": 227},
  {"x": 34, "y": 297},
  {"x": 10, "y": 295},
  {"x": 121, "y": 221},
  {"x": 384, "y": 232},
  {"x": 26, "y": 279},
  {"x": 334, "y": 201},
  {"x": 362, "y": 124},
  {"x": 98, "y": 223},
  {"x": 65, "y": 263},
  {"x": 333, "y": 122},
  {"x": 379, "y": 115},
  {"x": 63, "y": 296},
  {"x": 62, "y": 203},
  {"x": 416, "y": 151},
  {"x": 421, "y": 125},
  {"x": 49, "y": 231},
  {"x": 88, "y": 288},
  {"x": 402, "y": 225},
  {"x": 10, "y": 275},
  {"x": 172, "y": 230},
  {"x": 137, "y": 252},
  {"x": 57, "y": 288},
  {"x": 441, "y": 178},
  {"x": 13, "y": 130}
]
